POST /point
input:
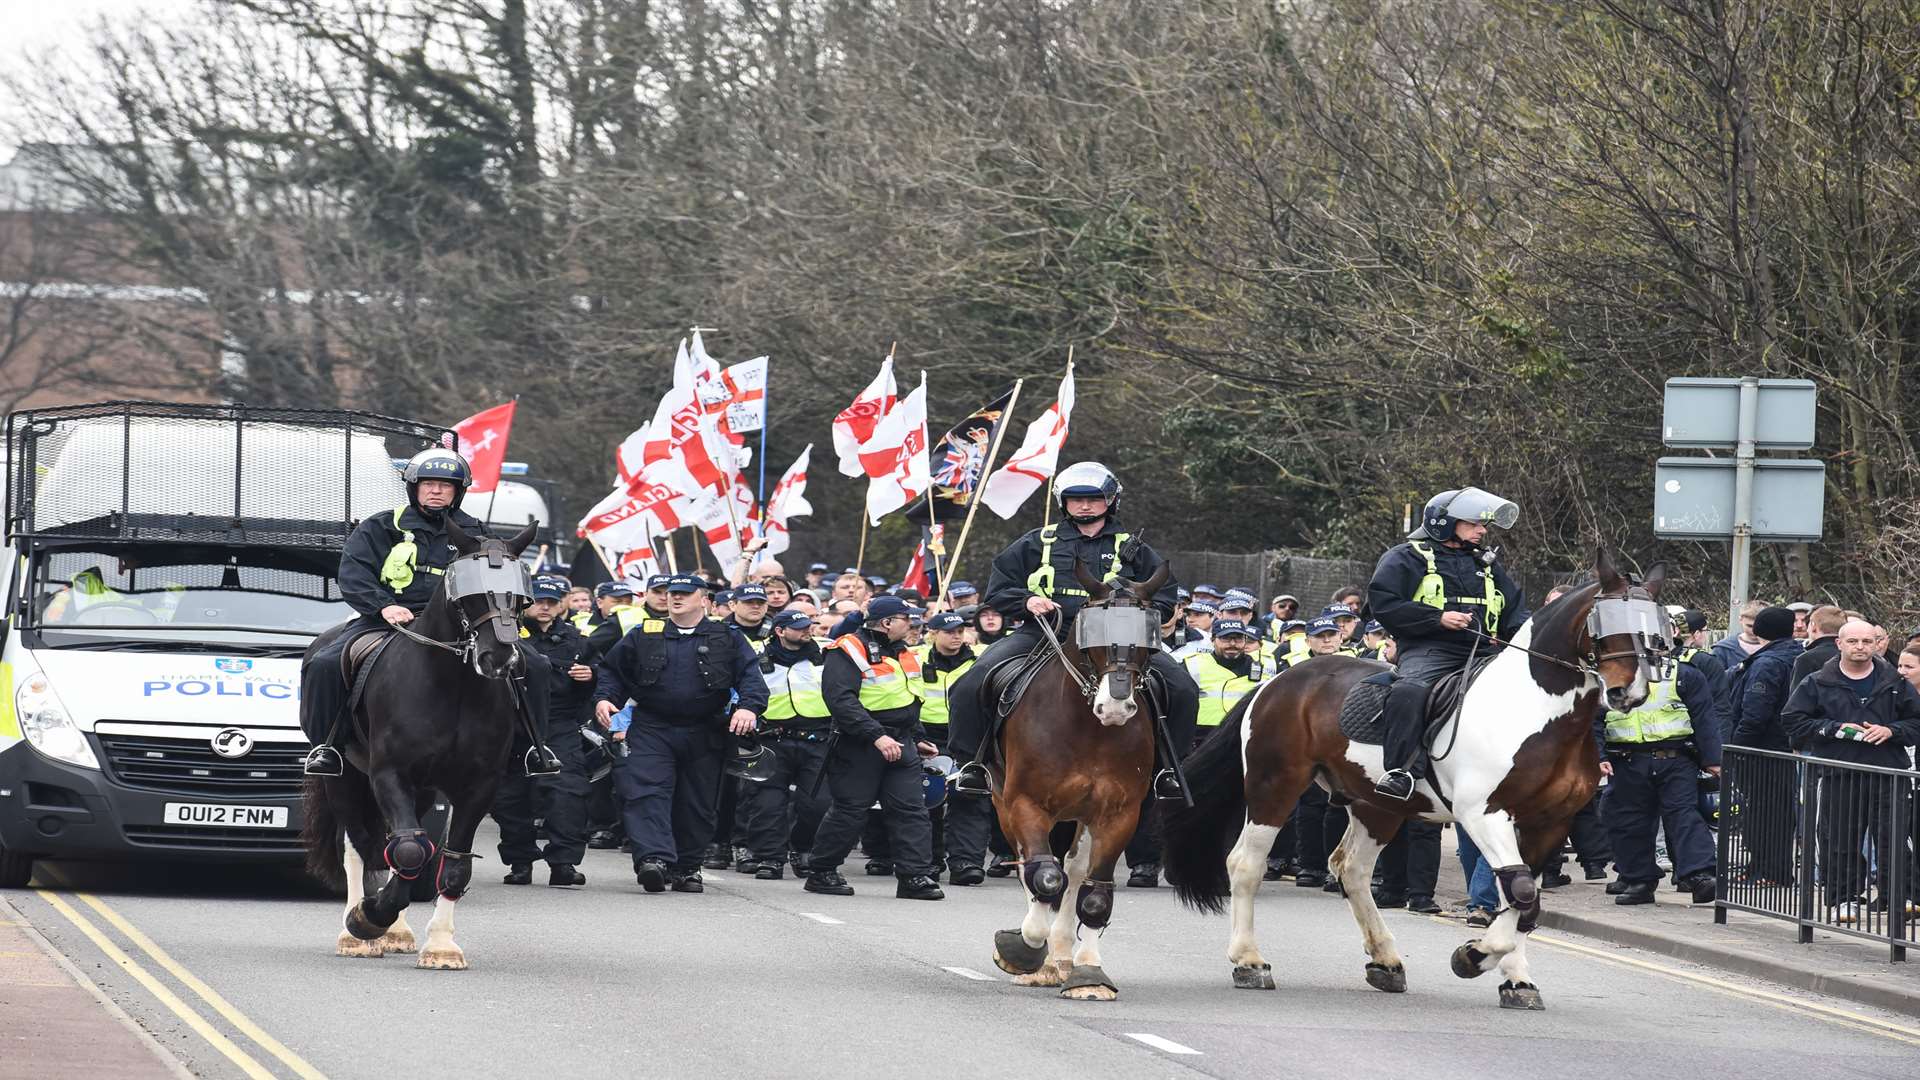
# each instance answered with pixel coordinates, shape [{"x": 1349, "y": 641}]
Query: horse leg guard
[
  {"x": 1094, "y": 904},
  {"x": 1253, "y": 977},
  {"x": 1088, "y": 983},
  {"x": 1044, "y": 878},
  {"x": 363, "y": 920},
  {"x": 1013, "y": 955},
  {"x": 1467, "y": 960},
  {"x": 1525, "y": 996},
  {"x": 407, "y": 855},
  {"x": 1522, "y": 892},
  {"x": 1393, "y": 979},
  {"x": 456, "y": 874}
]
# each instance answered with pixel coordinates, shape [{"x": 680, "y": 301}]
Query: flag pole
[
  {"x": 986, "y": 470},
  {"x": 604, "y": 560},
  {"x": 673, "y": 557}
]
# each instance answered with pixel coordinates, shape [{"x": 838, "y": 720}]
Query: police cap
[
  {"x": 886, "y": 607},
  {"x": 613, "y": 588},
  {"x": 962, "y": 588},
  {"x": 685, "y": 583},
  {"x": 945, "y": 620},
  {"x": 792, "y": 620},
  {"x": 548, "y": 587},
  {"x": 1322, "y": 625},
  {"x": 659, "y": 581},
  {"x": 1231, "y": 628},
  {"x": 747, "y": 594}
]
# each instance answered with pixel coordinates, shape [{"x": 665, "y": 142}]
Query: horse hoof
[
  {"x": 447, "y": 959},
  {"x": 1013, "y": 955},
  {"x": 1049, "y": 975},
  {"x": 1087, "y": 982},
  {"x": 399, "y": 939},
  {"x": 360, "y": 926},
  {"x": 1467, "y": 960},
  {"x": 348, "y": 945},
  {"x": 1393, "y": 980},
  {"x": 1253, "y": 977},
  {"x": 1521, "y": 996}
]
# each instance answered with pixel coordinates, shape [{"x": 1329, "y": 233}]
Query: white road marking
[
  {"x": 819, "y": 918},
  {"x": 969, "y": 973},
  {"x": 1159, "y": 1043}
]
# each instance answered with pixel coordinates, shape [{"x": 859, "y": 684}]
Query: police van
[{"x": 165, "y": 567}]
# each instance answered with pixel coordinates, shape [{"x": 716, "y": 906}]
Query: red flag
[
  {"x": 917, "y": 578},
  {"x": 483, "y": 442}
]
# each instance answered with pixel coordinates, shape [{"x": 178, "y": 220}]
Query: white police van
[{"x": 166, "y": 565}]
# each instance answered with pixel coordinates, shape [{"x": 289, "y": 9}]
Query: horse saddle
[
  {"x": 1006, "y": 684},
  {"x": 357, "y": 660},
  {"x": 1361, "y": 715}
]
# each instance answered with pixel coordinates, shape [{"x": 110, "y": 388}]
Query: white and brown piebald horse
[{"x": 1520, "y": 761}]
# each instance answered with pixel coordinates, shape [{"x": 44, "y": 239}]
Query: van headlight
[{"x": 45, "y": 723}]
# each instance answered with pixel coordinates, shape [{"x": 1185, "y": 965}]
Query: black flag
[{"x": 959, "y": 462}]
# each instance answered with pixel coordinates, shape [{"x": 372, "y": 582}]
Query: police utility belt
[{"x": 1652, "y": 750}]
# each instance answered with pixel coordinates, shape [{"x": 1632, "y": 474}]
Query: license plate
[{"x": 225, "y": 815}]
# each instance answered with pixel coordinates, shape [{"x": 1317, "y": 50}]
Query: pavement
[{"x": 232, "y": 971}]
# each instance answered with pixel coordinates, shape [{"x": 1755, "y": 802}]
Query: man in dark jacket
[
  {"x": 1855, "y": 708},
  {"x": 1823, "y": 642},
  {"x": 560, "y": 799},
  {"x": 1757, "y": 689}
]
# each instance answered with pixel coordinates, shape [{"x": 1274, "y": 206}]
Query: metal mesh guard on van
[{"x": 214, "y": 474}]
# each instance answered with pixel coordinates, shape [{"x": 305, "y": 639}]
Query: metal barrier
[{"x": 1819, "y": 843}]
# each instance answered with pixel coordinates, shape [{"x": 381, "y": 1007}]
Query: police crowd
[{"x": 764, "y": 723}]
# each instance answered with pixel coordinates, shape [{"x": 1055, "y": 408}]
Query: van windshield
[{"x": 167, "y": 593}]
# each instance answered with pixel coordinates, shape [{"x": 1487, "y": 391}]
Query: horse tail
[
  {"x": 322, "y": 834},
  {"x": 1195, "y": 840}
]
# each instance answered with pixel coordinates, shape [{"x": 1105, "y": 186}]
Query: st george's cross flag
[
  {"x": 895, "y": 455},
  {"x": 854, "y": 425},
  {"x": 1031, "y": 466}
]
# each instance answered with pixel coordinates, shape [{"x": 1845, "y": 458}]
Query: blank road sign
[
  {"x": 1705, "y": 414},
  {"x": 1693, "y": 499}
]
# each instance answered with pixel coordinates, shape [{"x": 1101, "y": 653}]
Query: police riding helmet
[
  {"x": 437, "y": 463},
  {"x": 1087, "y": 480},
  {"x": 1462, "y": 504}
]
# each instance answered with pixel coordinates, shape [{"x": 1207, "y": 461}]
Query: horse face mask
[
  {"x": 1637, "y": 618},
  {"x": 1128, "y": 633},
  {"x": 504, "y": 584}
]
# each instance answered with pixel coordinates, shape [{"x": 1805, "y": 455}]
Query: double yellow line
[{"x": 232, "y": 1051}]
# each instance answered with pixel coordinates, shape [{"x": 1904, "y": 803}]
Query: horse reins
[{"x": 1088, "y": 687}]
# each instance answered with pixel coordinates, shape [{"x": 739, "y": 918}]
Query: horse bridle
[
  {"x": 506, "y": 583},
  {"x": 1652, "y": 643},
  {"x": 1134, "y": 651}
]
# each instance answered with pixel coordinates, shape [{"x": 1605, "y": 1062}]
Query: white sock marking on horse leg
[
  {"x": 440, "y": 949},
  {"x": 1060, "y": 934},
  {"x": 1086, "y": 950},
  {"x": 356, "y": 876},
  {"x": 1356, "y": 855},
  {"x": 1501, "y": 937},
  {"x": 1246, "y": 868},
  {"x": 1514, "y": 964},
  {"x": 1033, "y": 928}
]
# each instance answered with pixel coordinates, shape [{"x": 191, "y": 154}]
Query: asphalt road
[{"x": 756, "y": 979}]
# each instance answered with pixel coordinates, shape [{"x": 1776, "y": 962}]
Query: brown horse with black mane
[
  {"x": 1076, "y": 748},
  {"x": 1518, "y": 761}
]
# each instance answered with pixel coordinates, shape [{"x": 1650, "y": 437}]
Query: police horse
[
  {"x": 433, "y": 707},
  {"x": 1514, "y": 760},
  {"x": 1075, "y": 748}
]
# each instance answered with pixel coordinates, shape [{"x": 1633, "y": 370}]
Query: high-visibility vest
[
  {"x": 1660, "y": 718},
  {"x": 403, "y": 559},
  {"x": 1432, "y": 590},
  {"x": 889, "y": 683},
  {"x": 582, "y": 621},
  {"x": 629, "y": 617},
  {"x": 793, "y": 690},
  {"x": 1041, "y": 583},
  {"x": 935, "y": 684},
  {"x": 87, "y": 589},
  {"x": 1220, "y": 688}
]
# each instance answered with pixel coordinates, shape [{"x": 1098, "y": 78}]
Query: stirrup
[
  {"x": 1396, "y": 784},
  {"x": 1167, "y": 787},
  {"x": 972, "y": 779},
  {"x": 541, "y": 761},
  {"x": 323, "y": 760}
]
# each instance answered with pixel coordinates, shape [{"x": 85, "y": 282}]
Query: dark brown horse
[
  {"x": 1519, "y": 762},
  {"x": 1078, "y": 747}
]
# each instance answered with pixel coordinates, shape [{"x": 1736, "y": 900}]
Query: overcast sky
[{"x": 32, "y": 27}]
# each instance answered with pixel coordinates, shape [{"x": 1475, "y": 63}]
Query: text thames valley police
[{"x": 218, "y": 687}]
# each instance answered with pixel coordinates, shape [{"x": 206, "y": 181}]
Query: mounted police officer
[
  {"x": 1443, "y": 596},
  {"x": 1034, "y": 578},
  {"x": 871, "y": 680},
  {"x": 559, "y": 800},
  {"x": 390, "y": 569},
  {"x": 682, "y": 673}
]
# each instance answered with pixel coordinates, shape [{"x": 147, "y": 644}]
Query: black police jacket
[
  {"x": 1007, "y": 589},
  {"x": 561, "y": 643},
  {"x": 763, "y": 631},
  {"x": 372, "y": 540},
  {"x": 1826, "y": 701},
  {"x": 682, "y": 676},
  {"x": 1416, "y": 626},
  {"x": 840, "y": 685}
]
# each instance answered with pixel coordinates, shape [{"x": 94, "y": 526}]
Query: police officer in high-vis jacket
[
  {"x": 390, "y": 569},
  {"x": 1230, "y": 672},
  {"x": 872, "y": 684},
  {"x": 783, "y": 812},
  {"x": 961, "y": 827},
  {"x": 1653, "y": 757},
  {"x": 1033, "y": 579},
  {"x": 1444, "y": 597},
  {"x": 692, "y": 680}
]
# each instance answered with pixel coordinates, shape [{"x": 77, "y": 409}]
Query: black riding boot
[
  {"x": 324, "y": 698},
  {"x": 1404, "y": 714},
  {"x": 973, "y": 725}
]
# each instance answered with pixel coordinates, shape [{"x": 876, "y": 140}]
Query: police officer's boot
[
  {"x": 1405, "y": 715},
  {"x": 518, "y": 874},
  {"x": 541, "y": 761},
  {"x": 323, "y": 760},
  {"x": 919, "y": 887},
  {"x": 1396, "y": 784}
]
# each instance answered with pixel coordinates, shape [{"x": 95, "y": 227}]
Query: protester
[
  {"x": 1823, "y": 630},
  {"x": 1734, "y": 648},
  {"x": 1758, "y": 687}
]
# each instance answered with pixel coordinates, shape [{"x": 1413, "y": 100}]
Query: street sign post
[{"x": 1712, "y": 498}]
